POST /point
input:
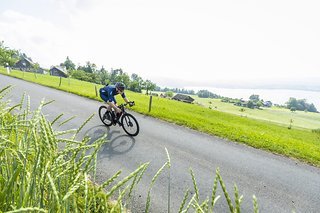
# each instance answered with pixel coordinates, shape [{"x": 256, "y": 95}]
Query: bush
[
  {"x": 317, "y": 131},
  {"x": 169, "y": 94}
]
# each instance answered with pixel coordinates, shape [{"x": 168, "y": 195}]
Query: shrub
[{"x": 317, "y": 131}]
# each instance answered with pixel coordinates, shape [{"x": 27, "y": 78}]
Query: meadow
[
  {"x": 269, "y": 134},
  {"x": 281, "y": 116}
]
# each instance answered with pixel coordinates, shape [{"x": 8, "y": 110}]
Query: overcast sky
[{"x": 179, "y": 42}]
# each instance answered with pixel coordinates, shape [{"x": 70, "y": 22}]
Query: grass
[
  {"x": 299, "y": 143},
  {"x": 281, "y": 116}
]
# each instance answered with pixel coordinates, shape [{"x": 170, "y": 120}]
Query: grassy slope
[
  {"x": 305, "y": 120},
  {"x": 298, "y": 143}
]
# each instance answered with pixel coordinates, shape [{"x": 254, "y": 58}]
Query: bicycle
[{"x": 128, "y": 122}]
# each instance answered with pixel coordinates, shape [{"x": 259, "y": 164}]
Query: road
[{"x": 279, "y": 183}]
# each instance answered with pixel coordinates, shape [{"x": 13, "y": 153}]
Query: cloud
[{"x": 39, "y": 39}]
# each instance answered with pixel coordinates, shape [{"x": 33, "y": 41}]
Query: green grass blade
[
  {"x": 224, "y": 189},
  {"x": 194, "y": 185}
]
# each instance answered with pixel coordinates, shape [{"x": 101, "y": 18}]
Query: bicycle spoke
[{"x": 130, "y": 125}]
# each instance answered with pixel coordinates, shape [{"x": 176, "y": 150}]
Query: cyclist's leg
[
  {"x": 112, "y": 105},
  {"x": 105, "y": 98},
  {"x": 108, "y": 106}
]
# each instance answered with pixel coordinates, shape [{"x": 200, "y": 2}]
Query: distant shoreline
[{"x": 275, "y": 95}]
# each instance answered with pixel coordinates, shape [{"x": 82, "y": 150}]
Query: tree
[
  {"x": 136, "y": 83},
  {"x": 259, "y": 104},
  {"x": 292, "y": 103},
  {"x": 89, "y": 67},
  {"x": 206, "y": 94},
  {"x": 8, "y": 56},
  {"x": 69, "y": 64},
  {"x": 254, "y": 98},
  {"x": 312, "y": 108},
  {"x": 104, "y": 76},
  {"x": 169, "y": 94},
  {"x": 149, "y": 86},
  {"x": 114, "y": 73},
  {"x": 124, "y": 78},
  {"x": 300, "y": 105},
  {"x": 250, "y": 104},
  {"x": 85, "y": 76}
]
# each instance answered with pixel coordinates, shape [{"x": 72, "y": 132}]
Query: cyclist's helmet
[{"x": 120, "y": 86}]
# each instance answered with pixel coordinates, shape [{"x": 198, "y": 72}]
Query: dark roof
[
  {"x": 25, "y": 59},
  {"x": 182, "y": 97},
  {"x": 29, "y": 60},
  {"x": 60, "y": 68}
]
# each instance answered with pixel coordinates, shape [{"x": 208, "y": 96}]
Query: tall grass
[{"x": 37, "y": 176}]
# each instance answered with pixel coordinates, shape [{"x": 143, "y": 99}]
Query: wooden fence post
[
  {"x": 150, "y": 103},
  {"x": 60, "y": 82}
]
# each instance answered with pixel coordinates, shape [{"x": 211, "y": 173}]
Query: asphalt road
[{"x": 279, "y": 183}]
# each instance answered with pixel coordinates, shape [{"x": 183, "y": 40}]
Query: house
[
  {"x": 184, "y": 98},
  {"x": 267, "y": 104},
  {"x": 24, "y": 64},
  {"x": 58, "y": 71}
]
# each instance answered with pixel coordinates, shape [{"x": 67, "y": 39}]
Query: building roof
[
  {"x": 60, "y": 68},
  {"x": 25, "y": 59},
  {"x": 182, "y": 97},
  {"x": 28, "y": 59}
]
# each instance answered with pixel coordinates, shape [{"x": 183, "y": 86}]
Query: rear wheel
[
  {"x": 105, "y": 116},
  {"x": 130, "y": 124}
]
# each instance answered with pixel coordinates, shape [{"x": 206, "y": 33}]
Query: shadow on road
[{"x": 116, "y": 143}]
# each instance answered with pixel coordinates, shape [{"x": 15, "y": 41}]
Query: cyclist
[{"x": 107, "y": 94}]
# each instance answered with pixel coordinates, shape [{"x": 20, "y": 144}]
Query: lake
[{"x": 276, "y": 96}]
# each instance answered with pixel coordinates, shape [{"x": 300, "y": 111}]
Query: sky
[{"x": 175, "y": 43}]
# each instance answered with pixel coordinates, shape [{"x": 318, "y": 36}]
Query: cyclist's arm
[{"x": 126, "y": 100}]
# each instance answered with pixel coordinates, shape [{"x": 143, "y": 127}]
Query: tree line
[
  {"x": 91, "y": 73},
  {"x": 175, "y": 90},
  {"x": 88, "y": 72},
  {"x": 300, "y": 104}
]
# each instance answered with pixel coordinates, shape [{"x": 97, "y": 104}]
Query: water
[{"x": 276, "y": 96}]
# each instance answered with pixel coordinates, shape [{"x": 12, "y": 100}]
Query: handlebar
[{"x": 131, "y": 103}]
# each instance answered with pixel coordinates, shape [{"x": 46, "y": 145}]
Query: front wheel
[
  {"x": 105, "y": 116},
  {"x": 130, "y": 124}
]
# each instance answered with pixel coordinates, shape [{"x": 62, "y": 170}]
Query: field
[
  {"x": 255, "y": 128},
  {"x": 301, "y": 119}
]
